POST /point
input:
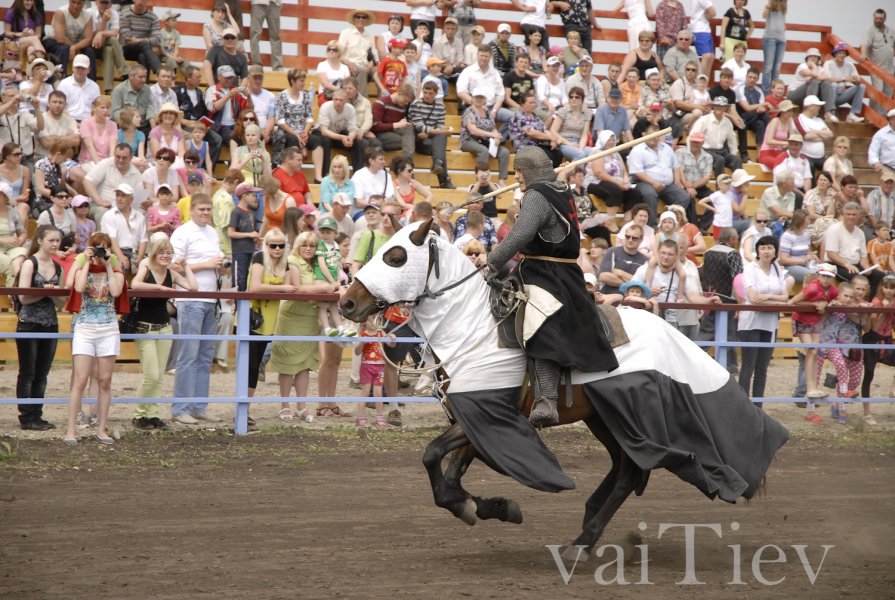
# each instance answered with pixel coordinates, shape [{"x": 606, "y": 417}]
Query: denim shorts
[{"x": 703, "y": 43}]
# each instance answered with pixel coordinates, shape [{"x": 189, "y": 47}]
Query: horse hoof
[
  {"x": 514, "y": 512},
  {"x": 572, "y": 553},
  {"x": 467, "y": 515}
]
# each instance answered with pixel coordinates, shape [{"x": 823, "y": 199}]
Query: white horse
[{"x": 667, "y": 405}]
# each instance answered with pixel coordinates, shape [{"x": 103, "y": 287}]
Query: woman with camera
[
  {"x": 60, "y": 216},
  {"x": 96, "y": 342},
  {"x": 151, "y": 316}
]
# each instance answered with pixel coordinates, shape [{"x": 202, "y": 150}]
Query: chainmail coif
[{"x": 534, "y": 165}]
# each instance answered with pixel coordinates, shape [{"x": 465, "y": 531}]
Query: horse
[{"x": 668, "y": 405}]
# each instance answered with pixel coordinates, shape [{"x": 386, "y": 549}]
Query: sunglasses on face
[
  {"x": 761, "y": 220},
  {"x": 249, "y": 119},
  {"x": 474, "y": 254},
  {"x": 163, "y": 158},
  {"x": 229, "y": 37},
  {"x": 17, "y": 154},
  {"x": 63, "y": 196},
  {"x": 277, "y": 246},
  {"x": 190, "y": 161},
  {"x": 332, "y": 49},
  {"x": 691, "y": 69},
  {"x": 632, "y": 237},
  {"x": 362, "y": 17}
]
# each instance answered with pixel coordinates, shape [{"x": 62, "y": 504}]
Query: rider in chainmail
[{"x": 547, "y": 225}]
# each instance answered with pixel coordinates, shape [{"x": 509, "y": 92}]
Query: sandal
[
  {"x": 304, "y": 415},
  {"x": 325, "y": 412},
  {"x": 250, "y": 422},
  {"x": 362, "y": 422},
  {"x": 287, "y": 414},
  {"x": 337, "y": 412},
  {"x": 381, "y": 424}
]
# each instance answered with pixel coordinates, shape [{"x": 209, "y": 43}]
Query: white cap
[
  {"x": 81, "y": 60},
  {"x": 125, "y": 189},
  {"x": 826, "y": 269},
  {"x": 668, "y": 215},
  {"x": 504, "y": 27},
  {"x": 553, "y": 60},
  {"x": 480, "y": 91},
  {"x": 6, "y": 190},
  {"x": 590, "y": 278},
  {"x": 891, "y": 113},
  {"x": 812, "y": 101}
]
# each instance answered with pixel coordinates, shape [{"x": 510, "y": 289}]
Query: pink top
[
  {"x": 171, "y": 219},
  {"x": 101, "y": 139},
  {"x": 781, "y": 134},
  {"x": 157, "y": 135}
]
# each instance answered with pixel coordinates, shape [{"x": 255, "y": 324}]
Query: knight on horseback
[{"x": 562, "y": 329}]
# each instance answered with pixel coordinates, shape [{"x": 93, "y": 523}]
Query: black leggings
[
  {"x": 256, "y": 353},
  {"x": 613, "y": 195},
  {"x": 35, "y": 359},
  {"x": 871, "y": 357},
  {"x": 755, "y": 361}
]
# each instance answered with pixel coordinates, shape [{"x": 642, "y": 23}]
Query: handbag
[
  {"x": 887, "y": 355},
  {"x": 129, "y": 323},
  {"x": 68, "y": 239},
  {"x": 256, "y": 319}
]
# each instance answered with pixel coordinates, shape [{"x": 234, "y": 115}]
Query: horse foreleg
[
  {"x": 502, "y": 509},
  {"x": 447, "y": 492},
  {"x": 629, "y": 477},
  {"x": 596, "y": 500}
]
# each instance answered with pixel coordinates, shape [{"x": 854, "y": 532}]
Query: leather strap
[{"x": 552, "y": 259}]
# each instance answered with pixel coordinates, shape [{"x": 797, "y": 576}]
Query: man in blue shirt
[
  {"x": 654, "y": 167},
  {"x": 614, "y": 117}
]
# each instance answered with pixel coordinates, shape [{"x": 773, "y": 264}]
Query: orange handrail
[{"x": 868, "y": 67}]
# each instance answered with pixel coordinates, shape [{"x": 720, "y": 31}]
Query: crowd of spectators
[{"x": 126, "y": 174}]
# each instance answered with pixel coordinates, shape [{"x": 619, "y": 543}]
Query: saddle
[{"x": 508, "y": 304}]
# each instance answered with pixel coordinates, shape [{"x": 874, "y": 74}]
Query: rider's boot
[{"x": 544, "y": 412}]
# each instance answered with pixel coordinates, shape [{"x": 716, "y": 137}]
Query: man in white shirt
[
  {"x": 483, "y": 75},
  {"x": 20, "y": 127},
  {"x": 127, "y": 228},
  {"x": 104, "y": 178},
  {"x": 847, "y": 84},
  {"x": 796, "y": 164},
  {"x": 163, "y": 90},
  {"x": 59, "y": 126},
  {"x": 264, "y": 102},
  {"x": 677, "y": 57},
  {"x": 336, "y": 125},
  {"x": 357, "y": 45},
  {"x": 449, "y": 48},
  {"x": 846, "y": 247},
  {"x": 372, "y": 179},
  {"x": 814, "y": 132},
  {"x": 586, "y": 80},
  {"x": 196, "y": 244},
  {"x": 685, "y": 109},
  {"x": 881, "y": 153},
  {"x": 720, "y": 138},
  {"x": 654, "y": 167},
  {"x": 80, "y": 92},
  {"x": 106, "y": 27}
]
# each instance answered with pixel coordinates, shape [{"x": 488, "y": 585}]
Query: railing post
[
  {"x": 721, "y": 317},
  {"x": 241, "y": 422}
]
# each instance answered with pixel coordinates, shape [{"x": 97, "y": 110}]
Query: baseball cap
[
  {"x": 696, "y": 136},
  {"x": 655, "y": 106},
  {"x": 587, "y": 58},
  {"x": 194, "y": 178},
  {"x": 256, "y": 70},
  {"x": 553, "y": 60},
  {"x": 891, "y": 113},
  {"x": 451, "y": 20},
  {"x": 650, "y": 72},
  {"x": 614, "y": 92},
  {"x": 170, "y": 15},
  {"x": 725, "y": 178},
  {"x": 373, "y": 206},
  {"x": 480, "y": 91},
  {"x": 163, "y": 186},
  {"x": 812, "y": 100},
  {"x": 434, "y": 60},
  {"x": 826, "y": 269},
  {"x": 229, "y": 31},
  {"x": 795, "y": 137},
  {"x": 125, "y": 189},
  {"x": 504, "y": 27},
  {"x": 590, "y": 278},
  {"x": 397, "y": 42},
  {"x": 226, "y": 71},
  {"x": 478, "y": 29},
  {"x": 79, "y": 201},
  {"x": 342, "y": 198},
  {"x": 720, "y": 101},
  {"x": 243, "y": 188},
  {"x": 887, "y": 175},
  {"x": 840, "y": 47},
  {"x": 81, "y": 60},
  {"x": 327, "y": 223}
]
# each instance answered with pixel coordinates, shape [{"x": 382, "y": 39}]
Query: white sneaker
[
  {"x": 207, "y": 417},
  {"x": 331, "y": 332},
  {"x": 853, "y": 118},
  {"x": 184, "y": 419},
  {"x": 831, "y": 118}
]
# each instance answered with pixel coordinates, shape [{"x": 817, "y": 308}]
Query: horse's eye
[{"x": 396, "y": 257}]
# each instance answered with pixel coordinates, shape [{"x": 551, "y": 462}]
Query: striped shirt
[
  {"x": 426, "y": 117},
  {"x": 385, "y": 114},
  {"x": 135, "y": 25}
]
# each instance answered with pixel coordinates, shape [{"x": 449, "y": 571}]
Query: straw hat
[
  {"x": 171, "y": 108},
  {"x": 40, "y": 61},
  {"x": 371, "y": 18}
]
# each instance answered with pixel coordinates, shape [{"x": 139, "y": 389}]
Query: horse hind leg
[
  {"x": 598, "y": 498},
  {"x": 447, "y": 492}
]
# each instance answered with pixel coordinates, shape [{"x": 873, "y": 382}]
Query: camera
[
  {"x": 226, "y": 264},
  {"x": 27, "y": 98},
  {"x": 99, "y": 252}
]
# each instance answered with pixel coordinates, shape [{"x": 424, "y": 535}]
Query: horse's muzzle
[{"x": 357, "y": 304}]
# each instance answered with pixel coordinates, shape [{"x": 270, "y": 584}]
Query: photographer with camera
[
  {"x": 97, "y": 294},
  {"x": 20, "y": 127}
]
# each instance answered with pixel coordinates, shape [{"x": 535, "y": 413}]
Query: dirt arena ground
[{"x": 320, "y": 511}]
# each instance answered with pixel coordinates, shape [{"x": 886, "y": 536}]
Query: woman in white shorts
[{"x": 96, "y": 342}]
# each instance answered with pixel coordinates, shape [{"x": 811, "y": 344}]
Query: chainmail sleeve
[{"x": 535, "y": 215}]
